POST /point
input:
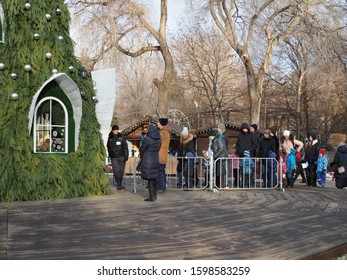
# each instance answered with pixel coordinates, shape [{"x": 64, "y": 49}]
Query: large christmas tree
[{"x": 50, "y": 145}]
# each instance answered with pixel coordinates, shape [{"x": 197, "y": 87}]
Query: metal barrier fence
[{"x": 224, "y": 173}]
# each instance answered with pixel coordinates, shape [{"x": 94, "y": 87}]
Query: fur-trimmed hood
[{"x": 185, "y": 140}]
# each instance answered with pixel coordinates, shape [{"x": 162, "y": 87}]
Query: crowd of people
[
  {"x": 255, "y": 151},
  {"x": 308, "y": 161}
]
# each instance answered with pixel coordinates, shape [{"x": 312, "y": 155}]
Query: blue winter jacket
[
  {"x": 322, "y": 164},
  {"x": 246, "y": 165},
  {"x": 271, "y": 163},
  {"x": 290, "y": 161}
]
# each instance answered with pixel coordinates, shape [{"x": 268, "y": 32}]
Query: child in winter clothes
[
  {"x": 290, "y": 165},
  {"x": 235, "y": 164},
  {"x": 322, "y": 167},
  {"x": 247, "y": 169},
  {"x": 271, "y": 170},
  {"x": 283, "y": 165}
]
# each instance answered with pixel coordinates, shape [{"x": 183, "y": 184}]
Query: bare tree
[
  {"x": 253, "y": 29},
  {"x": 120, "y": 20},
  {"x": 210, "y": 72},
  {"x": 312, "y": 64},
  {"x": 136, "y": 92}
]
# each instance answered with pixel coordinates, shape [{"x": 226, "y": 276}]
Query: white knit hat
[
  {"x": 185, "y": 131},
  {"x": 286, "y": 133}
]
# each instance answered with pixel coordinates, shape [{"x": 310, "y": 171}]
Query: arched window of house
[
  {"x": 2, "y": 33},
  {"x": 51, "y": 126}
]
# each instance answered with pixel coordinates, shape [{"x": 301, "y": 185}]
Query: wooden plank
[
  {"x": 3, "y": 232},
  {"x": 238, "y": 224}
]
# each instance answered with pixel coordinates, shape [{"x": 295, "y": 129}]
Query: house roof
[
  {"x": 227, "y": 125},
  {"x": 175, "y": 128}
]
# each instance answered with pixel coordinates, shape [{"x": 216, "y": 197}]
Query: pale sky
[{"x": 176, "y": 11}]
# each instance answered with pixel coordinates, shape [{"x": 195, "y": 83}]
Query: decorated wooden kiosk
[
  {"x": 202, "y": 141},
  {"x": 133, "y": 135}
]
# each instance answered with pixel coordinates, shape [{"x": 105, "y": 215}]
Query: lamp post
[{"x": 197, "y": 108}]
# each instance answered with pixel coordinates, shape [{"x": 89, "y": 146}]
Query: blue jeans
[
  {"x": 161, "y": 179},
  {"x": 321, "y": 178}
]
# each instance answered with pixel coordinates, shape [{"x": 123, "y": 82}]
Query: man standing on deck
[
  {"x": 118, "y": 151},
  {"x": 163, "y": 153}
]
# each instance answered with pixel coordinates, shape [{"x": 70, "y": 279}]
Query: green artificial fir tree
[{"x": 50, "y": 145}]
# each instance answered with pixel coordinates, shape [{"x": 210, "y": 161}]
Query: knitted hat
[
  {"x": 313, "y": 134},
  {"x": 321, "y": 152},
  {"x": 212, "y": 132},
  {"x": 246, "y": 153},
  {"x": 221, "y": 126},
  {"x": 254, "y": 126},
  {"x": 185, "y": 131},
  {"x": 244, "y": 125},
  {"x": 286, "y": 133},
  {"x": 163, "y": 121},
  {"x": 115, "y": 127},
  {"x": 267, "y": 131}
]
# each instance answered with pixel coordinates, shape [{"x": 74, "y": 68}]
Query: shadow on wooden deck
[{"x": 239, "y": 224}]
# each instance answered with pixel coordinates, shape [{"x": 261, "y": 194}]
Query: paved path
[{"x": 234, "y": 224}]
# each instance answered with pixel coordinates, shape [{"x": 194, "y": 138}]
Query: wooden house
[
  {"x": 202, "y": 141},
  {"x": 133, "y": 135}
]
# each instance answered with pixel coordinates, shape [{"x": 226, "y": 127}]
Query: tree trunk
[
  {"x": 256, "y": 100},
  {"x": 298, "y": 104},
  {"x": 255, "y": 92},
  {"x": 163, "y": 95}
]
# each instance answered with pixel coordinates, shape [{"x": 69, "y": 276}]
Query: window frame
[{"x": 66, "y": 126}]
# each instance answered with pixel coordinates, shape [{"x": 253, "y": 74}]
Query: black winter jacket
[
  {"x": 117, "y": 146},
  {"x": 219, "y": 146},
  {"x": 340, "y": 158},
  {"x": 265, "y": 146},
  {"x": 312, "y": 155},
  {"x": 246, "y": 141},
  {"x": 186, "y": 146},
  {"x": 149, "y": 152}
]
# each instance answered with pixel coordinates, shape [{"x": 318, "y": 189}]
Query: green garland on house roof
[
  {"x": 146, "y": 120},
  {"x": 30, "y": 34}
]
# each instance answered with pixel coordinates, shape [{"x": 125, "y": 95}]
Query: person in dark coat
[
  {"x": 312, "y": 153},
  {"x": 186, "y": 159},
  {"x": 274, "y": 136},
  {"x": 246, "y": 141},
  {"x": 253, "y": 129},
  {"x": 149, "y": 153},
  {"x": 222, "y": 128},
  {"x": 118, "y": 151},
  {"x": 219, "y": 147},
  {"x": 340, "y": 159},
  {"x": 266, "y": 144}
]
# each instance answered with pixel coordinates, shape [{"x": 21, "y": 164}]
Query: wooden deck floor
[{"x": 237, "y": 224}]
